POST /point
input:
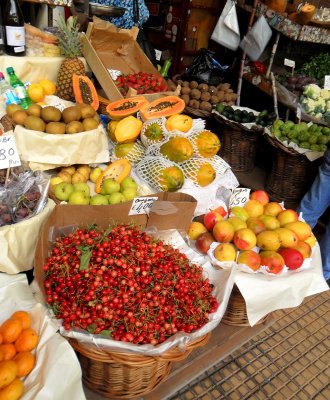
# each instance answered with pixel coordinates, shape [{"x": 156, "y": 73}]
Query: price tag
[
  {"x": 327, "y": 82},
  {"x": 142, "y": 205},
  {"x": 298, "y": 113},
  {"x": 158, "y": 54},
  {"x": 289, "y": 63},
  {"x": 8, "y": 152},
  {"x": 239, "y": 197}
]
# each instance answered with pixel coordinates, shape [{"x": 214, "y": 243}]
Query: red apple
[
  {"x": 293, "y": 258},
  {"x": 221, "y": 210},
  {"x": 261, "y": 196},
  {"x": 204, "y": 241},
  {"x": 210, "y": 219}
]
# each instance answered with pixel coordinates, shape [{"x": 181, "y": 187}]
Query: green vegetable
[{"x": 317, "y": 67}]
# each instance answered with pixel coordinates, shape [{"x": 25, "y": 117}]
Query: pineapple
[{"x": 70, "y": 45}]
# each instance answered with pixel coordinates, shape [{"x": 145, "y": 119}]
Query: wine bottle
[
  {"x": 2, "y": 35},
  {"x": 13, "y": 22}
]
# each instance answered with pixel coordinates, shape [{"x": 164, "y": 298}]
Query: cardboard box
[
  {"x": 170, "y": 211},
  {"x": 107, "y": 47}
]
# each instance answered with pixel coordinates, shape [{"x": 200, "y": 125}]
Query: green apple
[
  {"x": 110, "y": 186},
  {"x": 98, "y": 200},
  {"x": 82, "y": 187},
  {"x": 129, "y": 193},
  {"x": 128, "y": 182},
  {"x": 115, "y": 198},
  {"x": 63, "y": 190},
  {"x": 96, "y": 172},
  {"x": 78, "y": 198}
]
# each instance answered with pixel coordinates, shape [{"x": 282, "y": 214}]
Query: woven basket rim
[
  {"x": 99, "y": 354},
  {"x": 236, "y": 125},
  {"x": 197, "y": 112},
  {"x": 279, "y": 145}
]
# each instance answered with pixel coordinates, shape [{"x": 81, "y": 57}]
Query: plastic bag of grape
[{"x": 24, "y": 205}]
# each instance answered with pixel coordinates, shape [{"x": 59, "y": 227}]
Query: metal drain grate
[{"x": 290, "y": 360}]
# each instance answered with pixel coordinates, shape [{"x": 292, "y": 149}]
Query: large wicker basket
[
  {"x": 125, "y": 375},
  {"x": 291, "y": 174},
  {"x": 236, "y": 310}
]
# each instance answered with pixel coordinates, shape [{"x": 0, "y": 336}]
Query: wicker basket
[
  {"x": 124, "y": 375},
  {"x": 236, "y": 310},
  {"x": 291, "y": 174},
  {"x": 195, "y": 112}
]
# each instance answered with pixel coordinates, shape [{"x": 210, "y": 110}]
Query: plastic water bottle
[
  {"x": 6, "y": 92},
  {"x": 19, "y": 88}
]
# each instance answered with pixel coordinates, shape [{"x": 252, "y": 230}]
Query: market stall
[{"x": 148, "y": 258}]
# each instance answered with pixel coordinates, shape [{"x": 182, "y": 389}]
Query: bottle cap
[{"x": 10, "y": 69}]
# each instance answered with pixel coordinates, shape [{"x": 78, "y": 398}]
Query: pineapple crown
[{"x": 69, "y": 40}]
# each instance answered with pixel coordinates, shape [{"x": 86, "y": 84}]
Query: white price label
[
  {"x": 327, "y": 82},
  {"x": 298, "y": 113},
  {"x": 8, "y": 152},
  {"x": 289, "y": 63},
  {"x": 158, "y": 54},
  {"x": 142, "y": 205},
  {"x": 239, "y": 197}
]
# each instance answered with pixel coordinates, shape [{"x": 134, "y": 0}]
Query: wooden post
[
  {"x": 241, "y": 70},
  {"x": 274, "y": 49}
]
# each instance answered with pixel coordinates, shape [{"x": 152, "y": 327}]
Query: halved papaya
[
  {"x": 84, "y": 91},
  {"x": 163, "y": 107},
  {"x": 125, "y": 107},
  {"x": 118, "y": 170}
]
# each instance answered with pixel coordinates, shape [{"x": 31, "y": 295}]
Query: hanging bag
[
  {"x": 226, "y": 31},
  {"x": 255, "y": 41}
]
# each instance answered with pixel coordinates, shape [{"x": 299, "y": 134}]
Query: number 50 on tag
[{"x": 8, "y": 152}]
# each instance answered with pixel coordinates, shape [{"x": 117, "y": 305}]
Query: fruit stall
[{"x": 146, "y": 259}]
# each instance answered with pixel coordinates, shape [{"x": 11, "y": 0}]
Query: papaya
[
  {"x": 154, "y": 132},
  {"x": 133, "y": 152},
  {"x": 125, "y": 107},
  {"x": 84, "y": 91},
  {"x": 177, "y": 149},
  {"x": 127, "y": 130},
  {"x": 163, "y": 107},
  {"x": 179, "y": 122},
  {"x": 171, "y": 179},
  {"x": 118, "y": 170},
  {"x": 208, "y": 144},
  {"x": 111, "y": 127},
  {"x": 199, "y": 171}
]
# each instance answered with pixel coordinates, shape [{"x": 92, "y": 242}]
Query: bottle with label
[
  {"x": 13, "y": 22},
  {"x": 6, "y": 92},
  {"x": 19, "y": 88}
]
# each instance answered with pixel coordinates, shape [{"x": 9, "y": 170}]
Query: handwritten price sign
[
  {"x": 8, "y": 152},
  {"x": 142, "y": 205},
  {"x": 239, "y": 197}
]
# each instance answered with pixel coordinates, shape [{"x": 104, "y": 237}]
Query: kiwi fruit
[
  {"x": 11, "y": 108},
  {"x": 19, "y": 117},
  {"x": 71, "y": 114},
  {"x": 90, "y": 124},
  {"x": 74, "y": 127},
  {"x": 87, "y": 111},
  {"x": 55, "y": 127},
  {"x": 34, "y": 123},
  {"x": 50, "y": 114},
  {"x": 34, "y": 109}
]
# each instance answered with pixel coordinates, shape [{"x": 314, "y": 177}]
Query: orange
[
  {"x": 8, "y": 372},
  {"x": 13, "y": 391},
  {"x": 1, "y": 338},
  {"x": 48, "y": 86},
  {"x": 8, "y": 350},
  {"x": 36, "y": 92},
  {"x": 27, "y": 340},
  {"x": 2, "y": 356},
  {"x": 25, "y": 362},
  {"x": 10, "y": 330},
  {"x": 24, "y": 317}
]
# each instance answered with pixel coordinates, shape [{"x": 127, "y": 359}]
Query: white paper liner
[
  {"x": 311, "y": 155},
  {"x": 223, "y": 283},
  {"x": 57, "y": 373},
  {"x": 264, "y": 294}
]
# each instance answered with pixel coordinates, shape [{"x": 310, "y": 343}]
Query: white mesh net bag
[
  {"x": 133, "y": 152},
  {"x": 211, "y": 145},
  {"x": 188, "y": 149},
  {"x": 153, "y": 131},
  {"x": 150, "y": 170}
]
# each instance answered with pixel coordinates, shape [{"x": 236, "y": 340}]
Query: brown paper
[
  {"x": 180, "y": 210},
  {"x": 18, "y": 242},
  {"x": 52, "y": 150}
]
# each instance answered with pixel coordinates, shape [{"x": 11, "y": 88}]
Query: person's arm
[{"x": 80, "y": 9}]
